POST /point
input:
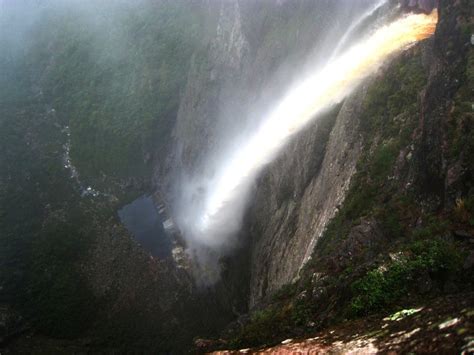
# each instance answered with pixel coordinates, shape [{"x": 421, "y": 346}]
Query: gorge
[{"x": 267, "y": 171}]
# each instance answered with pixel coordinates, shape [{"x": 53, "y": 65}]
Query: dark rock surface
[
  {"x": 425, "y": 6},
  {"x": 438, "y": 175}
]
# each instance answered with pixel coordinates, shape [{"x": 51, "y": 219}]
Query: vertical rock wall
[
  {"x": 286, "y": 226},
  {"x": 251, "y": 54}
]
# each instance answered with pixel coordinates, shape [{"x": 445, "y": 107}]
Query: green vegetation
[
  {"x": 263, "y": 327},
  {"x": 393, "y": 100},
  {"x": 114, "y": 75},
  {"x": 46, "y": 227},
  {"x": 43, "y": 237},
  {"x": 417, "y": 257},
  {"x": 117, "y": 82},
  {"x": 404, "y": 313},
  {"x": 384, "y": 286},
  {"x": 389, "y": 116},
  {"x": 57, "y": 297}
]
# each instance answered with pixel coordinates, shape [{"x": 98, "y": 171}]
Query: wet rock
[
  {"x": 425, "y": 6},
  {"x": 361, "y": 245}
]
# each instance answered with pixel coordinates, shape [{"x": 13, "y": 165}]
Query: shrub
[
  {"x": 264, "y": 327},
  {"x": 381, "y": 288}
]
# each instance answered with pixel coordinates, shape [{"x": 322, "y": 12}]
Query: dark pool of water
[{"x": 145, "y": 223}]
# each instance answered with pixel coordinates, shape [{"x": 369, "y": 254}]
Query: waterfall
[
  {"x": 356, "y": 24},
  {"x": 217, "y": 209}
]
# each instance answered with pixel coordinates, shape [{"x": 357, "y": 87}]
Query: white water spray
[
  {"x": 354, "y": 26},
  {"x": 221, "y": 207}
]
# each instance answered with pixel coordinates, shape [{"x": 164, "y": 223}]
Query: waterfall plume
[{"x": 214, "y": 215}]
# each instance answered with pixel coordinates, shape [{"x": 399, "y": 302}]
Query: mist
[
  {"x": 108, "y": 25},
  {"x": 209, "y": 202},
  {"x": 213, "y": 201}
]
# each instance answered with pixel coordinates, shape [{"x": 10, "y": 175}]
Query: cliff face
[
  {"x": 443, "y": 171},
  {"x": 247, "y": 59},
  {"x": 334, "y": 201},
  {"x": 382, "y": 205},
  {"x": 251, "y": 51},
  {"x": 213, "y": 74},
  {"x": 291, "y": 210}
]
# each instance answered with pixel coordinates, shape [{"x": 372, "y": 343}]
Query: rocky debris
[
  {"x": 444, "y": 325},
  {"x": 362, "y": 244}
]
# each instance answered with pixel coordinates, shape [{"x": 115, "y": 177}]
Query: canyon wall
[{"x": 252, "y": 50}]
